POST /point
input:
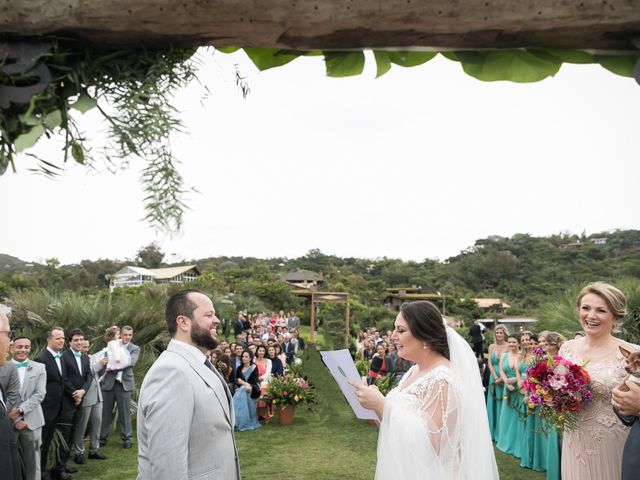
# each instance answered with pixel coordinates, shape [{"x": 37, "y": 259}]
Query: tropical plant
[
  {"x": 362, "y": 366},
  {"x": 384, "y": 383}
]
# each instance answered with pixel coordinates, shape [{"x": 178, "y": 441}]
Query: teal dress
[
  {"x": 539, "y": 444},
  {"x": 534, "y": 448},
  {"x": 245, "y": 408},
  {"x": 508, "y": 424},
  {"x": 494, "y": 398},
  {"x": 553, "y": 454},
  {"x": 525, "y": 426}
]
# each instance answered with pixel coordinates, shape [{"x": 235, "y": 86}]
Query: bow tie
[
  {"x": 22, "y": 364},
  {"x": 77, "y": 354},
  {"x": 57, "y": 355}
]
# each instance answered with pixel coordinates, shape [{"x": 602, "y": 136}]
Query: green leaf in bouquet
[{"x": 29, "y": 139}]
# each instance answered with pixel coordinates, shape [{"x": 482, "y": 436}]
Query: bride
[{"x": 434, "y": 423}]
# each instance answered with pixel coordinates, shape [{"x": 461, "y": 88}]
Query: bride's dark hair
[{"x": 426, "y": 324}]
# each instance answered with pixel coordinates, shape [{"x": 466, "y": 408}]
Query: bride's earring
[{"x": 424, "y": 346}]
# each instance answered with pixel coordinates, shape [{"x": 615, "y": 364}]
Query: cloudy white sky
[{"x": 417, "y": 164}]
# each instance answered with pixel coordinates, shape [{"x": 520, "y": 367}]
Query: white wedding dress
[{"x": 436, "y": 428}]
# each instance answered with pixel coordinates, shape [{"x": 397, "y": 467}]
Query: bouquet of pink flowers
[
  {"x": 288, "y": 390},
  {"x": 558, "y": 387}
]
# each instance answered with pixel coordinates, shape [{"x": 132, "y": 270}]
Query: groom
[
  {"x": 185, "y": 417},
  {"x": 627, "y": 406}
]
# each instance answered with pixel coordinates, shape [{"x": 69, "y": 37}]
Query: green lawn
[{"x": 328, "y": 443}]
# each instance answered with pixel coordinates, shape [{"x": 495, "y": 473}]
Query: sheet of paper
[{"x": 342, "y": 368}]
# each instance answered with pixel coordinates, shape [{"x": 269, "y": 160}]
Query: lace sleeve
[
  {"x": 439, "y": 408},
  {"x": 565, "y": 349}
]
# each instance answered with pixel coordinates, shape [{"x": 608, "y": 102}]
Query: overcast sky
[{"x": 417, "y": 164}]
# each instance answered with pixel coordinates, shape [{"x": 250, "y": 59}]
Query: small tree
[{"x": 150, "y": 256}]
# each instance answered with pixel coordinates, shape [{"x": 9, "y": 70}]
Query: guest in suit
[
  {"x": 117, "y": 385},
  {"x": 89, "y": 412},
  {"x": 11, "y": 384},
  {"x": 238, "y": 326},
  {"x": 477, "y": 338},
  {"x": 8, "y": 445},
  {"x": 293, "y": 322},
  {"x": 33, "y": 387},
  {"x": 189, "y": 434},
  {"x": 77, "y": 380},
  {"x": 52, "y": 405},
  {"x": 289, "y": 348},
  {"x": 627, "y": 406}
]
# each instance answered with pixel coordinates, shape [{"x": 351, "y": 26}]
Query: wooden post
[
  {"x": 347, "y": 336},
  {"x": 313, "y": 318}
]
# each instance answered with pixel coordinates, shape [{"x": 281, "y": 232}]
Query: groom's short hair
[{"x": 179, "y": 304}]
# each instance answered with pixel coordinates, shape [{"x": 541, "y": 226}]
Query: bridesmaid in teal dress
[
  {"x": 534, "y": 443},
  {"x": 508, "y": 423},
  {"x": 527, "y": 431},
  {"x": 554, "y": 439},
  {"x": 495, "y": 391}
]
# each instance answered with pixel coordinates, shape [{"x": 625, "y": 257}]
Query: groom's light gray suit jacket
[{"x": 185, "y": 421}]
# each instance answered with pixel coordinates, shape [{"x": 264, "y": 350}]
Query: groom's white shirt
[{"x": 185, "y": 420}]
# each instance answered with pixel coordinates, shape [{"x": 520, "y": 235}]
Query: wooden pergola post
[
  {"x": 347, "y": 328},
  {"x": 313, "y": 318},
  {"x": 330, "y": 297}
]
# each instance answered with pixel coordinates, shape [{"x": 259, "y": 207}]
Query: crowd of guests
[
  {"x": 381, "y": 356},
  {"x": 265, "y": 346},
  {"x": 75, "y": 392},
  {"x": 600, "y": 446},
  {"x": 70, "y": 391}
]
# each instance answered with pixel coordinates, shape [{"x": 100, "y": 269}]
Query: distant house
[
  {"x": 493, "y": 304},
  {"x": 302, "y": 279},
  {"x": 395, "y": 297},
  {"x": 597, "y": 241},
  {"x": 136, "y": 276}
]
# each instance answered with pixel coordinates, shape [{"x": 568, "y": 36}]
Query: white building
[{"x": 135, "y": 276}]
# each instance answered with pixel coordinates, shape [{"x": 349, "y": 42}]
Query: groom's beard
[{"x": 201, "y": 337}]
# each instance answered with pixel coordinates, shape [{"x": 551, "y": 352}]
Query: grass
[{"x": 327, "y": 443}]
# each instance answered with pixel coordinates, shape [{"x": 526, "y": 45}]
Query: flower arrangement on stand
[
  {"x": 286, "y": 393},
  {"x": 558, "y": 387}
]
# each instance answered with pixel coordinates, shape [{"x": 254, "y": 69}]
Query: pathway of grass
[{"x": 329, "y": 443}]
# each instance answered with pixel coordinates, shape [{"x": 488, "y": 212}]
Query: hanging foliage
[
  {"x": 515, "y": 65},
  {"x": 132, "y": 89}
]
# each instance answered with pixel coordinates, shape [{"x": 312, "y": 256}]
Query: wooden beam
[{"x": 330, "y": 24}]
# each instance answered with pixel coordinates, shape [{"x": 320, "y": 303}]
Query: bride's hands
[{"x": 369, "y": 397}]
